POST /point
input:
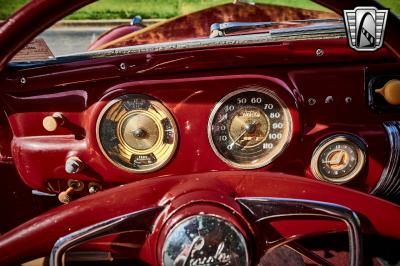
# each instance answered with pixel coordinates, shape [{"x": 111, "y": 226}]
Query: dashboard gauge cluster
[
  {"x": 249, "y": 128},
  {"x": 137, "y": 133},
  {"x": 339, "y": 159}
]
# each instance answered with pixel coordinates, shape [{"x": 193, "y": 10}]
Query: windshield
[{"x": 109, "y": 24}]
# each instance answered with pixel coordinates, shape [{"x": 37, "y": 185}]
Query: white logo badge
[{"x": 365, "y": 28}]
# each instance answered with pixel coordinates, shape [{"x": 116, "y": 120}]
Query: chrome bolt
[
  {"x": 94, "y": 187},
  {"x": 329, "y": 99},
  {"x": 73, "y": 165},
  {"x": 311, "y": 101},
  {"x": 319, "y": 52},
  {"x": 348, "y": 99},
  {"x": 122, "y": 66},
  {"x": 22, "y": 80}
]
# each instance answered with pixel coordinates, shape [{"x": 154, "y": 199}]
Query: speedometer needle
[
  {"x": 230, "y": 146},
  {"x": 247, "y": 128}
]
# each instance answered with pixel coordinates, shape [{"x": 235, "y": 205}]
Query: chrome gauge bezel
[
  {"x": 221, "y": 102},
  {"x": 361, "y": 149},
  {"x": 160, "y": 108}
]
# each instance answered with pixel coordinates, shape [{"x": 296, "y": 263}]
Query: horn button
[{"x": 204, "y": 239}]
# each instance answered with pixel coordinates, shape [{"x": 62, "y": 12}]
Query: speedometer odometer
[{"x": 249, "y": 128}]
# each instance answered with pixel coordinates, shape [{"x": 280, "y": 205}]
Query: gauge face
[
  {"x": 338, "y": 159},
  {"x": 248, "y": 128},
  {"x": 137, "y": 133}
]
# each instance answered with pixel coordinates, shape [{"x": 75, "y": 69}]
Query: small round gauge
[
  {"x": 249, "y": 128},
  {"x": 338, "y": 159},
  {"x": 137, "y": 133}
]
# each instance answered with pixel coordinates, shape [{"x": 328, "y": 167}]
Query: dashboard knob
[
  {"x": 73, "y": 165},
  {"x": 65, "y": 196},
  {"x": 52, "y": 122},
  {"x": 391, "y": 91},
  {"x": 73, "y": 185}
]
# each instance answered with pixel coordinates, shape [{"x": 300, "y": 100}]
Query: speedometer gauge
[
  {"x": 249, "y": 128},
  {"x": 137, "y": 133}
]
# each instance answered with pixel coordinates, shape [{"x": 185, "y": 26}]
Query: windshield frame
[{"x": 26, "y": 19}]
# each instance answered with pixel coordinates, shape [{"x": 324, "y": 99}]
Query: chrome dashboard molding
[
  {"x": 266, "y": 208},
  {"x": 388, "y": 186},
  {"x": 313, "y": 32},
  {"x": 299, "y": 33},
  {"x": 135, "y": 221}
]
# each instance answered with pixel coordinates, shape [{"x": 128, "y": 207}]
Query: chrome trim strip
[
  {"x": 135, "y": 221},
  {"x": 307, "y": 32},
  {"x": 40, "y": 193},
  {"x": 388, "y": 186},
  {"x": 264, "y": 208},
  {"x": 316, "y": 32}
]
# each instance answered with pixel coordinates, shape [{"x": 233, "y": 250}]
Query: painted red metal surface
[
  {"x": 191, "y": 102},
  {"x": 198, "y": 92},
  {"x": 174, "y": 63}
]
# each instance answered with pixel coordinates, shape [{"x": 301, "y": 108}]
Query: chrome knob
[{"x": 73, "y": 165}]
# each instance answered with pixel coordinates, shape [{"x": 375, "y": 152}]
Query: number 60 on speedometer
[{"x": 249, "y": 128}]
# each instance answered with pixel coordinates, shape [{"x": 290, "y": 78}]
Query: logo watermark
[{"x": 365, "y": 27}]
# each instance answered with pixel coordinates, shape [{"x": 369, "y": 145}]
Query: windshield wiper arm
[{"x": 221, "y": 29}]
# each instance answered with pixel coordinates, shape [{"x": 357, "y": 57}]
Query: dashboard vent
[{"x": 388, "y": 186}]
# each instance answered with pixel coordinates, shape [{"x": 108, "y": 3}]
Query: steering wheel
[{"x": 231, "y": 217}]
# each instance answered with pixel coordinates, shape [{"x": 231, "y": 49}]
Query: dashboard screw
[
  {"x": 22, "y": 80},
  {"x": 329, "y": 99},
  {"x": 319, "y": 52},
  {"x": 122, "y": 66},
  {"x": 94, "y": 187},
  {"x": 348, "y": 99},
  {"x": 311, "y": 101}
]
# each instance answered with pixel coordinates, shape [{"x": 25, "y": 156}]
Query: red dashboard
[{"x": 323, "y": 101}]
